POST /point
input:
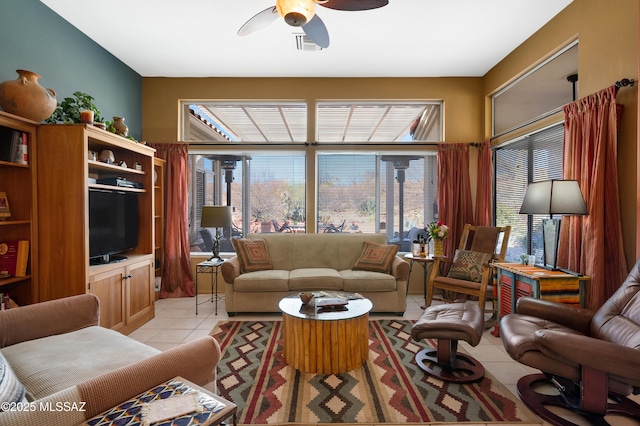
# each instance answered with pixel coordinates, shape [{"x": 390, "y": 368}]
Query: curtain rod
[
  {"x": 374, "y": 144},
  {"x": 249, "y": 145},
  {"x": 240, "y": 145}
]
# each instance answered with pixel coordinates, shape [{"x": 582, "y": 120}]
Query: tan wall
[
  {"x": 608, "y": 51},
  {"x": 462, "y": 98}
]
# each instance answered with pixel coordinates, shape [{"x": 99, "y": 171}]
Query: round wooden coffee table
[{"x": 328, "y": 342}]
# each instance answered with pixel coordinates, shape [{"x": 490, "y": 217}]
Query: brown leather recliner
[{"x": 588, "y": 356}]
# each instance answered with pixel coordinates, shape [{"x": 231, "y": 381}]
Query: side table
[
  {"x": 209, "y": 267},
  {"x": 210, "y": 410},
  {"x": 426, "y": 262},
  {"x": 516, "y": 280}
]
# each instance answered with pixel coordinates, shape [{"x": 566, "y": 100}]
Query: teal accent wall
[{"x": 35, "y": 38}]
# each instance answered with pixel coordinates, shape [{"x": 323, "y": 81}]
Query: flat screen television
[{"x": 113, "y": 224}]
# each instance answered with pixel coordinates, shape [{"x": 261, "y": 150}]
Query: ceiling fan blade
[
  {"x": 259, "y": 21},
  {"x": 353, "y": 5},
  {"x": 317, "y": 31}
]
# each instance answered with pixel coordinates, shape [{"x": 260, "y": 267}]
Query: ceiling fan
[{"x": 301, "y": 13}]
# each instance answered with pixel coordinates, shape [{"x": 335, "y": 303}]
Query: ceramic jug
[{"x": 26, "y": 98}]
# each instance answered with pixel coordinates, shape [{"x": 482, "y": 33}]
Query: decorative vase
[
  {"x": 438, "y": 248},
  {"x": 306, "y": 297},
  {"x": 119, "y": 126},
  {"x": 25, "y": 97},
  {"x": 106, "y": 156}
]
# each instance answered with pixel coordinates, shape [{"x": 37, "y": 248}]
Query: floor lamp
[
  {"x": 216, "y": 217},
  {"x": 560, "y": 197}
]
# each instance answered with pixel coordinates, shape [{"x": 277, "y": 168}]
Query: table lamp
[
  {"x": 216, "y": 217},
  {"x": 562, "y": 197}
]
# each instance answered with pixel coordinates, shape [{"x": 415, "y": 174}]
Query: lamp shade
[
  {"x": 551, "y": 197},
  {"x": 216, "y": 217}
]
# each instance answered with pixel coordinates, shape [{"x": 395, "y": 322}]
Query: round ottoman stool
[{"x": 449, "y": 323}]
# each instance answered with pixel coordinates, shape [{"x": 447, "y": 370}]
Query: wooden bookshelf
[
  {"x": 159, "y": 216},
  {"x": 18, "y": 181}
]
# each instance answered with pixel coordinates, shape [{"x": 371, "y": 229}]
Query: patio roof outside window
[{"x": 340, "y": 122}]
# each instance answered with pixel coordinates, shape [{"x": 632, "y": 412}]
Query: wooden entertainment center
[
  {"x": 49, "y": 203},
  {"x": 70, "y": 159}
]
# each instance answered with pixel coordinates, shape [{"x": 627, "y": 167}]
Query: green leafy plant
[{"x": 68, "y": 110}]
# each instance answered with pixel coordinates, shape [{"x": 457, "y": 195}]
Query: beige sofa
[
  {"x": 312, "y": 262},
  {"x": 60, "y": 354}
]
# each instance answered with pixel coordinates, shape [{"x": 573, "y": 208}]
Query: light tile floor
[{"x": 176, "y": 322}]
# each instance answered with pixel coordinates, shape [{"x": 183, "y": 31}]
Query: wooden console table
[{"x": 516, "y": 280}]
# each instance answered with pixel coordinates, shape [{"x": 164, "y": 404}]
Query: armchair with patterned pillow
[{"x": 469, "y": 272}]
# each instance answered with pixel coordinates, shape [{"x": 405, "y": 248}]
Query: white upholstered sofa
[{"x": 313, "y": 262}]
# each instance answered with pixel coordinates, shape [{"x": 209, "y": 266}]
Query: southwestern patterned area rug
[{"x": 389, "y": 388}]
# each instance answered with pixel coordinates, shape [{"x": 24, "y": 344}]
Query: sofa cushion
[
  {"x": 315, "y": 279},
  {"x": 359, "y": 281},
  {"x": 270, "y": 280},
  {"x": 468, "y": 265},
  {"x": 376, "y": 257},
  {"x": 54, "y": 363},
  {"x": 11, "y": 390},
  {"x": 252, "y": 254}
]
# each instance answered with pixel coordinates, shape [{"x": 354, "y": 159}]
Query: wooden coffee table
[{"x": 325, "y": 342}]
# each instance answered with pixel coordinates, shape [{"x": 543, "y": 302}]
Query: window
[
  {"x": 533, "y": 158},
  {"x": 250, "y": 122},
  {"x": 344, "y": 122},
  {"x": 540, "y": 92},
  {"x": 337, "y": 122},
  {"x": 392, "y": 194},
  {"x": 384, "y": 191},
  {"x": 264, "y": 190}
]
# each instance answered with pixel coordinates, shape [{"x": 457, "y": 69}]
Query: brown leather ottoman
[{"x": 449, "y": 323}]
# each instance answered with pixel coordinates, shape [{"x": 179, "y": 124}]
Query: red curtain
[
  {"x": 177, "y": 280},
  {"x": 593, "y": 244},
  {"x": 484, "y": 191},
  {"x": 454, "y": 192}
]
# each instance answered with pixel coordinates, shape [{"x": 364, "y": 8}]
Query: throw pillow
[
  {"x": 376, "y": 257},
  {"x": 11, "y": 390},
  {"x": 468, "y": 265},
  {"x": 253, "y": 255}
]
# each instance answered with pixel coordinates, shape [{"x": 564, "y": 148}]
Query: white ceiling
[{"x": 407, "y": 38}]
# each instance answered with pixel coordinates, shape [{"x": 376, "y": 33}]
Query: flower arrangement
[{"x": 437, "y": 230}]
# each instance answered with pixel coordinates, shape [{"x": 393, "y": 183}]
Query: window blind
[{"x": 532, "y": 158}]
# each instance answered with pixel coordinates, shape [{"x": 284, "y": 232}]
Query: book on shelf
[
  {"x": 14, "y": 257},
  {"x": 6, "y": 302},
  {"x": 14, "y": 146},
  {"x": 5, "y": 212},
  {"x": 21, "y": 152}
]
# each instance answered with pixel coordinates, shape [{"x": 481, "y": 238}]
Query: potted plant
[{"x": 68, "y": 110}]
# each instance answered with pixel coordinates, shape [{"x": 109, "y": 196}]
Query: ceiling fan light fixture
[{"x": 296, "y": 12}]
